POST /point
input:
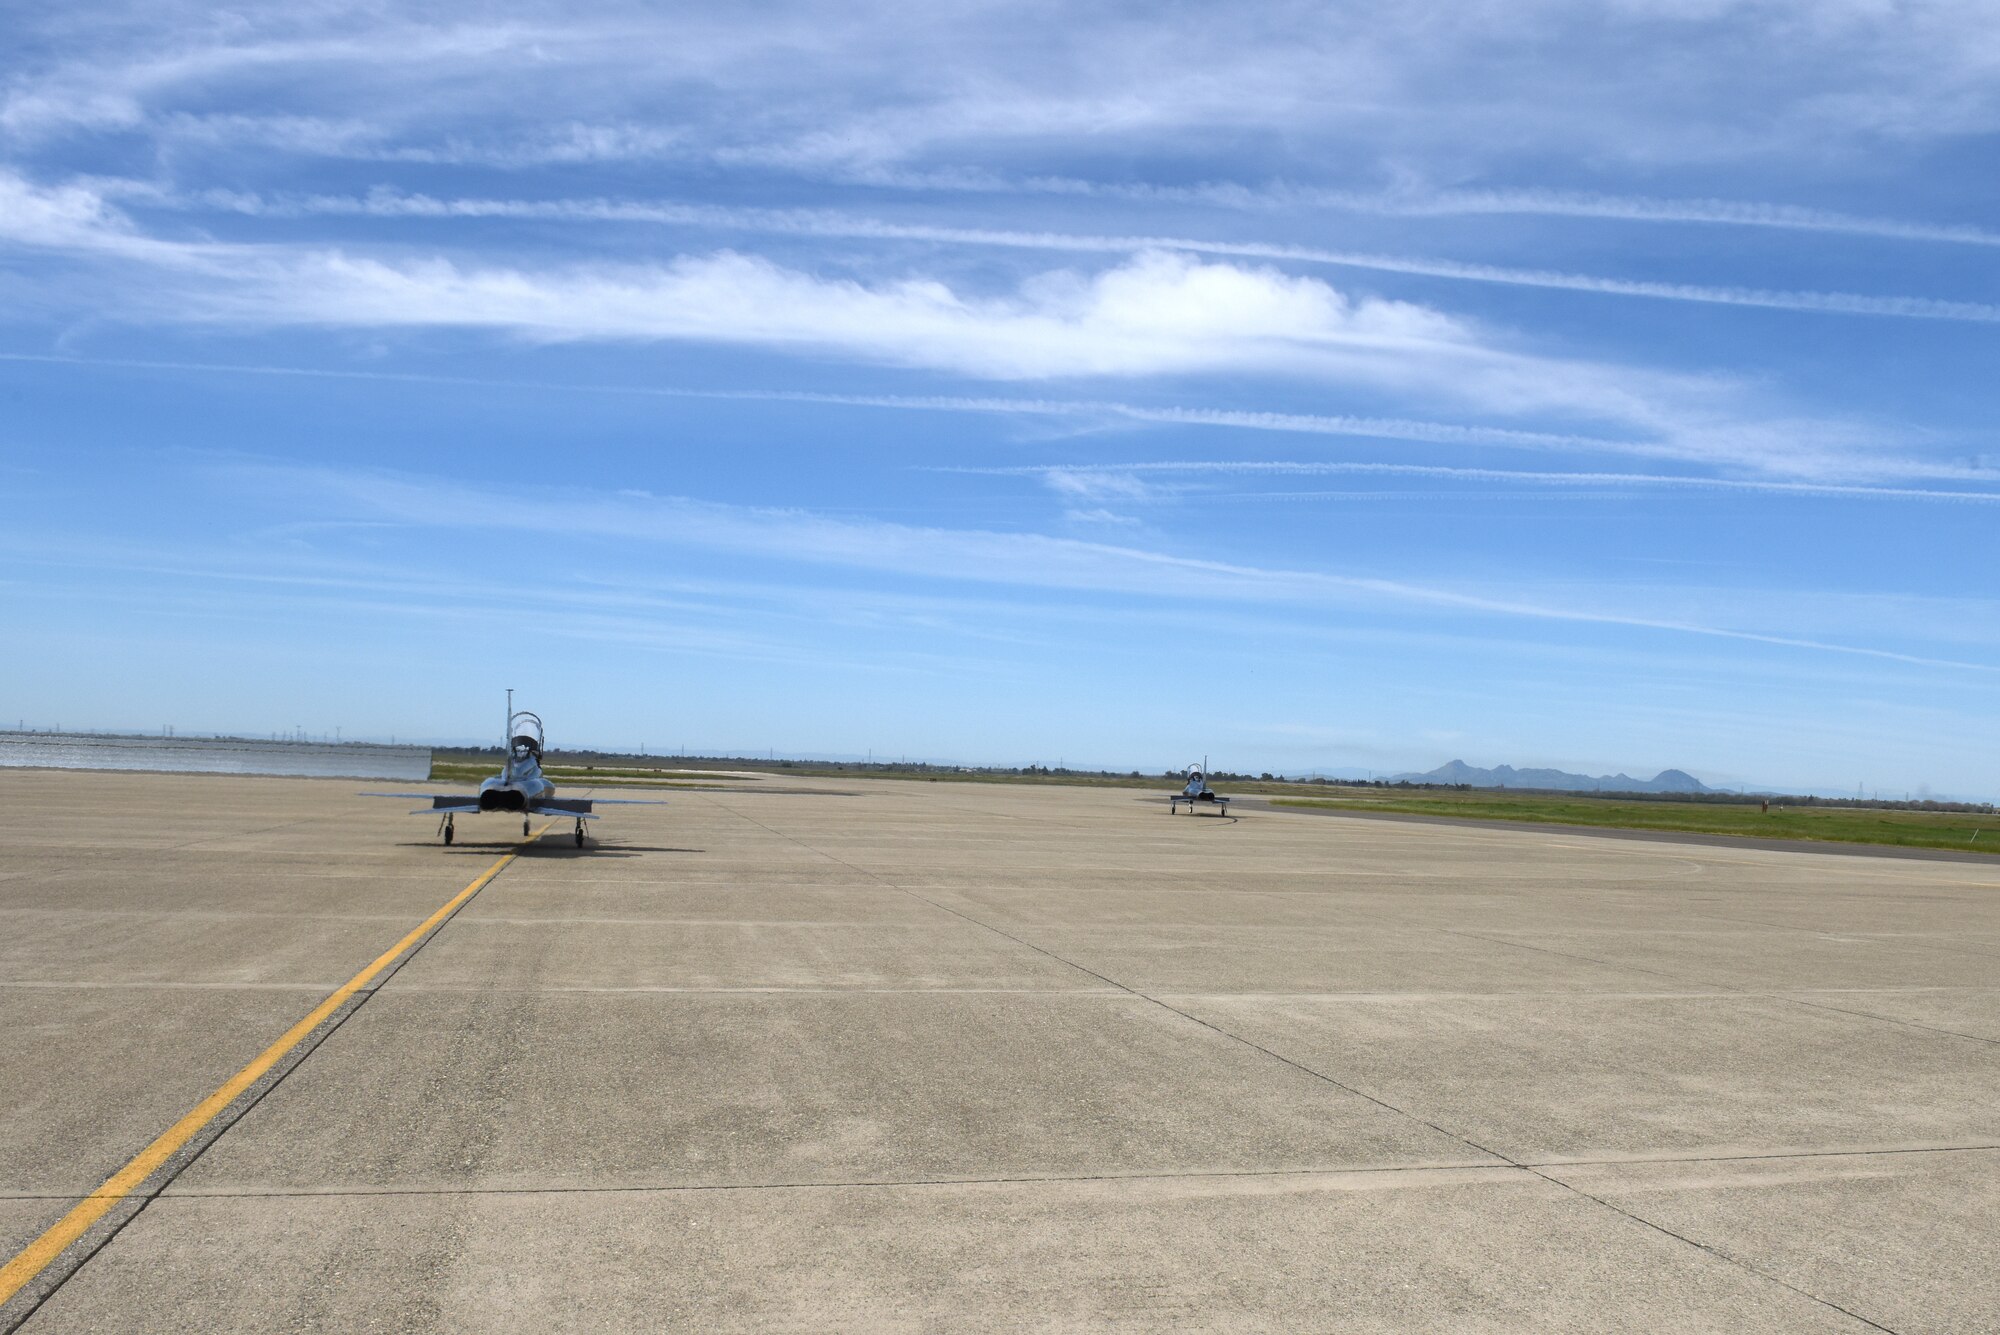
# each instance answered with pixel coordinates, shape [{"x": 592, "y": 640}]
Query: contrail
[
  {"x": 1408, "y": 202},
  {"x": 845, "y": 226},
  {"x": 1419, "y": 203},
  {"x": 1719, "y": 212},
  {"x": 1311, "y": 468}
]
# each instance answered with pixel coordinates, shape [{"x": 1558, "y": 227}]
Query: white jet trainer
[
  {"x": 519, "y": 786},
  {"x": 1197, "y": 790}
]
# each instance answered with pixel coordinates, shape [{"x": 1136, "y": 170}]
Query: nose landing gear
[{"x": 524, "y": 827}]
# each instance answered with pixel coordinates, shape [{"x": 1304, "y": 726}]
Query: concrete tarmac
[{"x": 930, "y": 1057}]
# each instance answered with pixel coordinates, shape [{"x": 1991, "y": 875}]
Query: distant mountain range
[{"x": 1506, "y": 776}]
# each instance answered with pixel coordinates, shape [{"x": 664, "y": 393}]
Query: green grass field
[
  {"x": 1865, "y": 825},
  {"x": 1909, "y": 829}
]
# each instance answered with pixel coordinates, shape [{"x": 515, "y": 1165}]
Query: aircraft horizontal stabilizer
[{"x": 580, "y": 806}]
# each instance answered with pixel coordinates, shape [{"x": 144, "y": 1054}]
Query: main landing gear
[
  {"x": 446, "y": 830},
  {"x": 579, "y": 834}
]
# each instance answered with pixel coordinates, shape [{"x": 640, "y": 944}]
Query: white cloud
[
  {"x": 59, "y": 217},
  {"x": 1094, "y": 484},
  {"x": 1100, "y": 516},
  {"x": 1157, "y": 313}
]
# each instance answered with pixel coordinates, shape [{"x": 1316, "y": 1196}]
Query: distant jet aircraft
[
  {"x": 519, "y": 786},
  {"x": 1197, "y": 790}
]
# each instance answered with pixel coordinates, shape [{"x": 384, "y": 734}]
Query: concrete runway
[{"x": 953, "y": 1057}]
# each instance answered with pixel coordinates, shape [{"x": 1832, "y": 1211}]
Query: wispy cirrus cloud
[
  {"x": 811, "y": 86},
  {"x": 76, "y": 219},
  {"x": 1828, "y": 450},
  {"x": 138, "y": 68},
  {"x": 1092, "y": 484},
  {"x": 938, "y": 553}
]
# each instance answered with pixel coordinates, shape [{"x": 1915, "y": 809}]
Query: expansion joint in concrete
[
  {"x": 1782, "y": 997},
  {"x": 50, "y": 1278},
  {"x": 1500, "y": 1159}
]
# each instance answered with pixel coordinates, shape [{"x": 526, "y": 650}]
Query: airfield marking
[{"x": 36, "y": 1256}]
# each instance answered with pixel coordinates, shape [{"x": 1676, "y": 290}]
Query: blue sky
[{"x": 1606, "y": 386}]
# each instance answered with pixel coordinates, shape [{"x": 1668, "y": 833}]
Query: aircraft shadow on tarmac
[
  {"x": 540, "y": 849},
  {"x": 1205, "y": 815}
]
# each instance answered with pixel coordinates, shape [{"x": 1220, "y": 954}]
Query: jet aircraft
[
  {"x": 1197, "y": 790},
  {"x": 519, "y": 786}
]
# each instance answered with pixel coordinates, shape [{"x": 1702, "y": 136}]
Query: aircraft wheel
[
  {"x": 447, "y": 834},
  {"x": 579, "y": 836},
  {"x": 524, "y": 829}
]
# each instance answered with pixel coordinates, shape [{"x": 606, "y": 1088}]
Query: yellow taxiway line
[{"x": 35, "y": 1257}]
